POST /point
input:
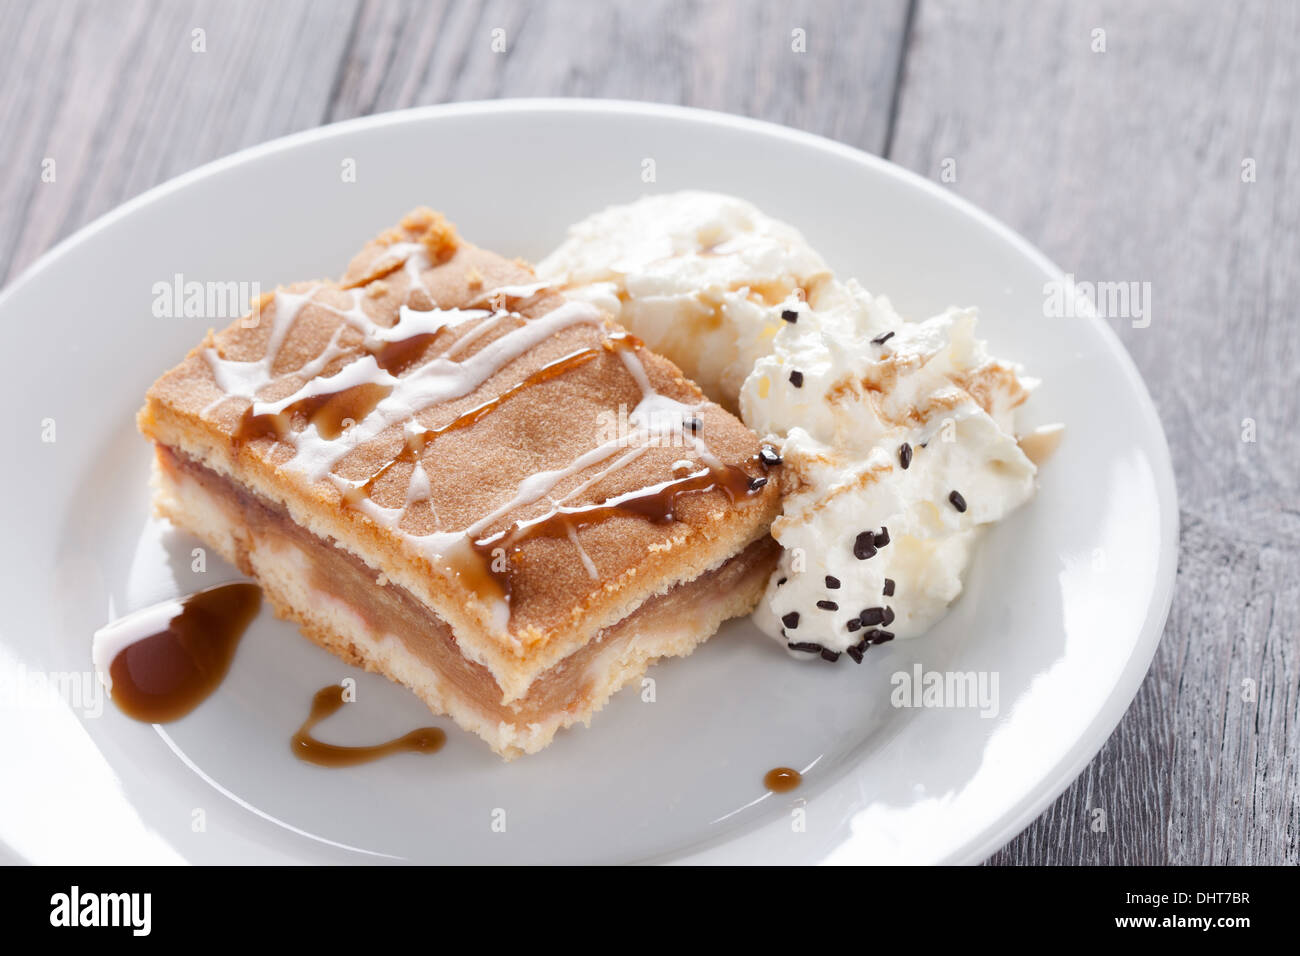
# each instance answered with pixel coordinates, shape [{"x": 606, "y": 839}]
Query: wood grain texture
[
  {"x": 734, "y": 56},
  {"x": 116, "y": 95},
  {"x": 1127, "y": 165},
  {"x": 1124, "y": 165}
]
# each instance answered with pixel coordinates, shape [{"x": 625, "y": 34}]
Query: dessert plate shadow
[{"x": 1063, "y": 609}]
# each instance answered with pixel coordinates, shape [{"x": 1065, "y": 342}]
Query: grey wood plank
[
  {"x": 735, "y": 56},
  {"x": 116, "y": 95},
  {"x": 1126, "y": 165}
]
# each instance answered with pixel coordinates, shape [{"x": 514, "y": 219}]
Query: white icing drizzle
[
  {"x": 508, "y": 292},
  {"x": 634, "y": 368},
  {"x": 364, "y": 371},
  {"x": 418, "y": 489},
  {"x": 245, "y": 379},
  {"x": 473, "y": 335},
  {"x": 583, "y": 555},
  {"x": 623, "y": 461},
  {"x": 410, "y": 256},
  {"x": 411, "y": 322},
  {"x": 437, "y": 381},
  {"x": 540, "y": 484},
  {"x": 416, "y": 263},
  {"x": 659, "y": 414}
]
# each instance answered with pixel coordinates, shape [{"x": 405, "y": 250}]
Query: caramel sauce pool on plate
[
  {"x": 164, "y": 675},
  {"x": 327, "y": 701},
  {"x": 782, "y": 779}
]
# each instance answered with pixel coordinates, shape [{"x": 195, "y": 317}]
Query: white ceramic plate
[{"x": 1065, "y": 603}]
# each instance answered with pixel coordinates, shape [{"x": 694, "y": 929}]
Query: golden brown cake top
[{"x": 440, "y": 405}]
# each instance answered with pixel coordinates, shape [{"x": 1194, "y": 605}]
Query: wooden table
[{"x": 1159, "y": 145}]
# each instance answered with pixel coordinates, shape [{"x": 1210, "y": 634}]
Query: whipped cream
[
  {"x": 899, "y": 446},
  {"x": 700, "y": 277}
]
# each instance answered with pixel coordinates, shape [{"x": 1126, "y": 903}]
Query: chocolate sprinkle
[
  {"x": 854, "y": 625},
  {"x": 796, "y": 378},
  {"x": 882, "y": 338},
  {"x": 790, "y": 315},
  {"x": 768, "y": 456},
  {"x": 832, "y": 581},
  {"x": 791, "y": 620},
  {"x": 872, "y": 615},
  {"x": 809, "y": 646},
  {"x": 881, "y": 637},
  {"x": 782, "y": 581},
  {"x": 905, "y": 455},
  {"x": 889, "y": 586},
  {"x": 855, "y": 652},
  {"x": 882, "y": 538},
  {"x": 864, "y": 546},
  {"x": 828, "y": 605},
  {"x": 957, "y": 500},
  {"x": 888, "y": 619},
  {"x": 829, "y": 655},
  {"x": 756, "y": 483}
]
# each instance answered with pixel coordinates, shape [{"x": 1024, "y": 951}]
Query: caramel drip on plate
[
  {"x": 164, "y": 675},
  {"x": 330, "y": 412},
  {"x": 782, "y": 779},
  {"x": 327, "y": 701}
]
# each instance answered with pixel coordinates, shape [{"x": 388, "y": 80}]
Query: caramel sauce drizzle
[
  {"x": 399, "y": 355},
  {"x": 327, "y": 701},
  {"x": 656, "y": 504},
  {"x": 330, "y": 412}
]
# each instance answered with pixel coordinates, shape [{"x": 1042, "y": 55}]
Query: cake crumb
[{"x": 437, "y": 235}]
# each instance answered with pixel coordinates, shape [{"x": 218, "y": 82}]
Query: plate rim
[{"x": 1101, "y": 728}]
